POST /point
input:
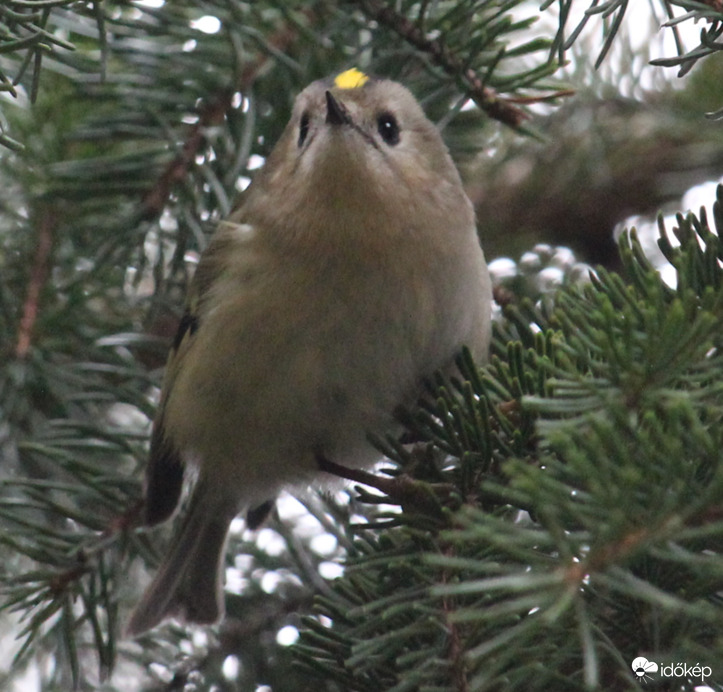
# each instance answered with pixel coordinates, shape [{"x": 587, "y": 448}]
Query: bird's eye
[
  {"x": 388, "y": 128},
  {"x": 303, "y": 127}
]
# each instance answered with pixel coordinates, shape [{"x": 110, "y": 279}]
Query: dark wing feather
[
  {"x": 164, "y": 478},
  {"x": 257, "y": 515},
  {"x": 164, "y": 474}
]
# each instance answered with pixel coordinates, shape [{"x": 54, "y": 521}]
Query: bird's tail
[{"x": 189, "y": 583}]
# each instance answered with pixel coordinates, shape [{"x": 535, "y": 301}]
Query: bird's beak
[{"x": 336, "y": 114}]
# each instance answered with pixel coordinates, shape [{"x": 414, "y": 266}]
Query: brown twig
[
  {"x": 38, "y": 276},
  {"x": 211, "y": 113},
  {"x": 609, "y": 554},
  {"x": 410, "y": 494},
  {"x": 619, "y": 550},
  {"x": 455, "y": 650},
  {"x": 562, "y": 93},
  {"x": 717, "y": 5},
  {"x": 487, "y": 99}
]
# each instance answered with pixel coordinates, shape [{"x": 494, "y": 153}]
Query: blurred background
[{"x": 128, "y": 128}]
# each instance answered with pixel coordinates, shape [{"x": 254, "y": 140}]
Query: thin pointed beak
[{"x": 336, "y": 114}]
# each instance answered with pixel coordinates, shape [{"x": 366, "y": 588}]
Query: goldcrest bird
[{"x": 349, "y": 273}]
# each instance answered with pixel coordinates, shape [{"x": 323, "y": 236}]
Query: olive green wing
[{"x": 164, "y": 473}]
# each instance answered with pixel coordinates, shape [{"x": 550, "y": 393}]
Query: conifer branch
[
  {"x": 487, "y": 99},
  {"x": 36, "y": 282},
  {"x": 212, "y": 113}
]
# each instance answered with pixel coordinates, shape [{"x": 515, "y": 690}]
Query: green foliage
[
  {"x": 584, "y": 527},
  {"x": 128, "y": 131},
  {"x": 612, "y": 15},
  {"x": 28, "y": 31},
  {"x": 712, "y": 14},
  {"x": 138, "y": 127}
]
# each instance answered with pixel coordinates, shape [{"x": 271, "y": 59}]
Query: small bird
[{"x": 349, "y": 273}]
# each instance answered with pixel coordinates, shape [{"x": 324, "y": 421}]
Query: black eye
[
  {"x": 303, "y": 127},
  {"x": 388, "y": 128}
]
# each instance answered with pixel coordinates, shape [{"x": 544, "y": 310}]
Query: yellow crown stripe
[{"x": 350, "y": 79}]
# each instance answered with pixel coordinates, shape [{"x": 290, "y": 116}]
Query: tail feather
[{"x": 189, "y": 583}]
